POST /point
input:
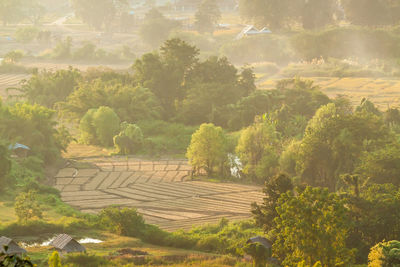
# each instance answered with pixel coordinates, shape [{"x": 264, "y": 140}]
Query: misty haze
[{"x": 209, "y": 133}]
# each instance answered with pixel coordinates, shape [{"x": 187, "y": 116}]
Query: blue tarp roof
[{"x": 17, "y": 146}]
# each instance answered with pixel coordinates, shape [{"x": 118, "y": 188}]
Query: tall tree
[
  {"x": 333, "y": 143},
  {"x": 207, "y": 16},
  {"x": 257, "y": 150},
  {"x": 311, "y": 227},
  {"x": 27, "y": 207},
  {"x": 207, "y": 150},
  {"x": 266, "y": 213}
]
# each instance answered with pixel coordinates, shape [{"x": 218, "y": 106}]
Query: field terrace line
[{"x": 162, "y": 191}]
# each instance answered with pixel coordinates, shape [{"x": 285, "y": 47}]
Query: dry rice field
[
  {"x": 162, "y": 191},
  {"x": 383, "y": 92},
  {"x": 10, "y": 81}
]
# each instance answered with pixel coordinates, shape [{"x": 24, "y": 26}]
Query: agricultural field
[
  {"x": 383, "y": 92},
  {"x": 10, "y": 81},
  {"x": 162, "y": 191}
]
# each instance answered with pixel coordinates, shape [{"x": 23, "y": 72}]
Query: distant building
[
  {"x": 12, "y": 247},
  {"x": 65, "y": 244},
  {"x": 251, "y": 30},
  {"x": 19, "y": 150}
]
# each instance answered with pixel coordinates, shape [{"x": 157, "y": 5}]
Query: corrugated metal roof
[
  {"x": 18, "y": 146},
  {"x": 66, "y": 243},
  {"x": 13, "y": 247}
]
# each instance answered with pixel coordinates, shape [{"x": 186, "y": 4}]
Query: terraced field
[
  {"x": 383, "y": 92},
  {"x": 10, "y": 81},
  {"x": 161, "y": 190}
]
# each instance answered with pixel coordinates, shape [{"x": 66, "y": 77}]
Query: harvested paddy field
[
  {"x": 383, "y": 92},
  {"x": 10, "y": 81},
  {"x": 161, "y": 190}
]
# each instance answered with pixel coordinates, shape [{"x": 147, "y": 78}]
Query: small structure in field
[
  {"x": 12, "y": 247},
  {"x": 262, "y": 240},
  {"x": 19, "y": 150},
  {"x": 251, "y": 30},
  {"x": 65, "y": 244}
]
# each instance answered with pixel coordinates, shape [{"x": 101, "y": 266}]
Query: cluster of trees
[
  {"x": 304, "y": 221},
  {"x": 314, "y": 14},
  {"x": 12, "y": 11}
]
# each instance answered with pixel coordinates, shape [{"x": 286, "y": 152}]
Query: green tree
[
  {"x": 122, "y": 221},
  {"x": 381, "y": 166},
  {"x": 164, "y": 74},
  {"x": 211, "y": 85},
  {"x": 312, "y": 226},
  {"x": 13, "y": 57},
  {"x": 47, "y": 87},
  {"x": 129, "y": 140},
  {"x": 27, "y": 207},
  {"x": 207, "y": 16},
  {"x": 34, "y": 126},
  {"x": 385, "y": 254},
  {"x": 207, "y": 149},
  {"x": 54, "y": 260},
  {"x": 257, "y": 150},
  {"x": 99, "y": 126},
  {"x": 266, "y": 213},
  {"x": 333, "y": 143},
  {"x": 131, "y": 103},
  {"x": 375, "y": 214}
]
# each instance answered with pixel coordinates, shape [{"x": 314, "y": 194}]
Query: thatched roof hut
[
  {"x": 12, "y": 247},
  {"x": 65, "y": 244}
]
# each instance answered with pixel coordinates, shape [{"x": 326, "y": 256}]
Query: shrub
[
  {"x": 123, "y": 221},
  {"x": 85, "y": 260}
]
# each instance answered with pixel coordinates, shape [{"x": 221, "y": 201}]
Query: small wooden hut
[
  {"x": 12, "y": 247},
  {"x": 65, "y": 244},
  {"x": 262, "y": 240}
]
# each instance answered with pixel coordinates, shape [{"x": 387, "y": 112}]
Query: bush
[{"x": 85, "y": 260}]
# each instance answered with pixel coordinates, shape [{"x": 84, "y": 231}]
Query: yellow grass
[{"x": 383, "y": 92}]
